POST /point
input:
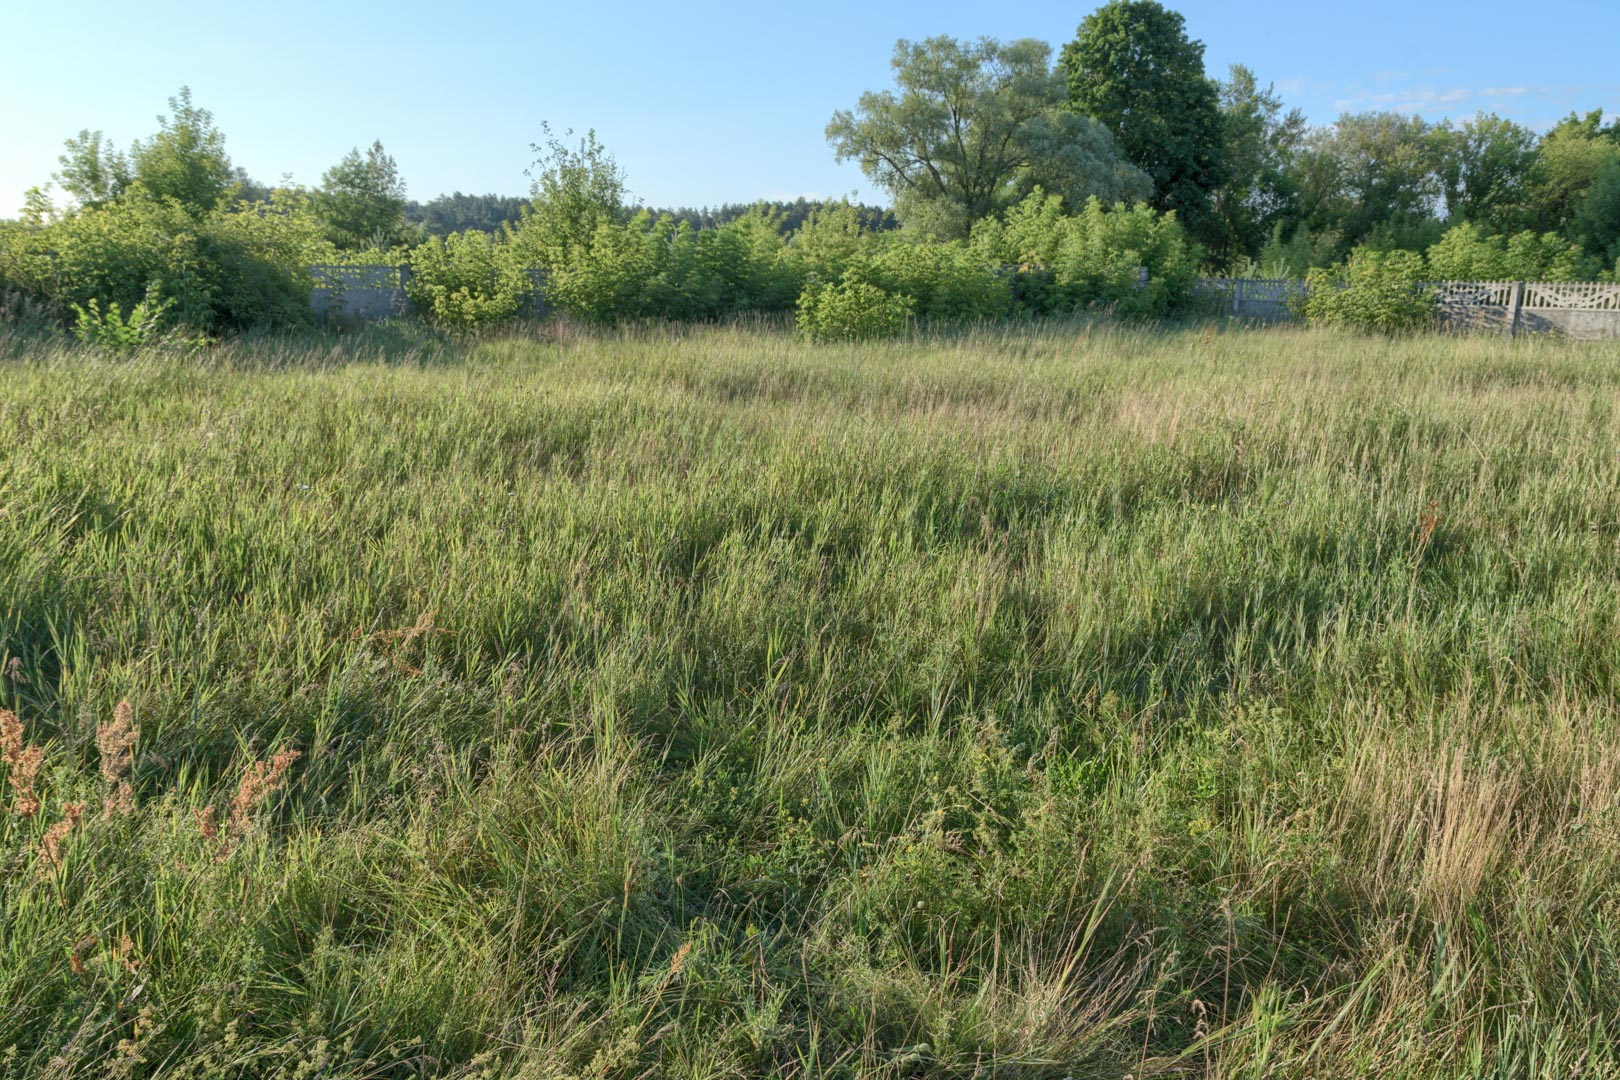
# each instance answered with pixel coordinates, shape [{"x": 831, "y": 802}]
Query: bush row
[{"x": 247, "y": 265}]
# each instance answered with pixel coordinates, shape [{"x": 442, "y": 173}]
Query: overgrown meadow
[{"x": 1039, "y": 701}]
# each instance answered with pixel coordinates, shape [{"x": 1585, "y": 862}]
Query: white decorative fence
[{"x": 1584, "y": 310}]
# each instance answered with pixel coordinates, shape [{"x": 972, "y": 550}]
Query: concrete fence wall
[
  {"x": 1583, "y": 310},
  {"x": 1586, "y": 311},
  {"x": 374, "y": 292},
  {"x": 359, "y": 292}
]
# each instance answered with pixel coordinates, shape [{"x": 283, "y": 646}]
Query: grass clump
[{"x": 1051, "y": 701}]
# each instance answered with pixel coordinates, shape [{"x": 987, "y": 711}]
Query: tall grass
[{"x": 1056, "y": 701}]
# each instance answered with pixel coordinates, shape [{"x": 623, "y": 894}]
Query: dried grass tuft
[
  {"x": 22, "y": 764},
  {"x": 115, "y": 741}
]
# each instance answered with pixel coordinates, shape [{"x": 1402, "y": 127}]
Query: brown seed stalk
[{"x": 22, "y": 764}]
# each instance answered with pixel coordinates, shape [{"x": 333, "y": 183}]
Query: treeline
[
  {"x": 793, "y": 215},
  {"x": 1019, "y": 183},
  {"x": 1127, "y": 111},
  {"x": 490, "y": 213}
]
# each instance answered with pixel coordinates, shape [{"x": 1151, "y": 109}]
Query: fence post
[
  {"x": 1237, "y": 299},
  {"x": 1515, "y": 301}
]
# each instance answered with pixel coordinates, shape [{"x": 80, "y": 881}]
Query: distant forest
[{"x": 459, "y": 212}]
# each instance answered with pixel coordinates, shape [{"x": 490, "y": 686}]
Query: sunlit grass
[{"x": 1072, "y": 700}]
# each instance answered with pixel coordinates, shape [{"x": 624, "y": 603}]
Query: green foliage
[
  {"x": 949, "y": 281},
  {"x": 1466, "y": 253},
  {"x": 793, "y": 215},
  {"x": 1486, "y": 167},
  {"x": 1569, "y": 161},
  {"x": 467, "y": 281},
  {"x": 1370, "y": 173},
  {"x": 1260, "y": 194},
  {"x": 1093, "y": 259},
  {"x": 656, "y": 267},
  {"x": 973, "y": 128},
  {"x": 1374, "y": 292},
  {"x": 93, "y": 170},
  {"x": 186, "y": 160},
  {"x": 1132, "y": 68},
  {"x": 1597, "y": 222},
  {"x": 226, "y": 269},
  {"x": 456, "y": 212},
  {"x": 851, "y": 310},
  {"x": 831, "y": 237},
  {"x": 116, "y": 333},
  {"x": 361, "y": 201},
  {"x": 576, "y": 191},
  {"x": 1294, "y": 256}
]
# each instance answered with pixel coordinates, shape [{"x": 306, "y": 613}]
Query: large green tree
[
  {"x": 361, "y": 201},
  {"x": 1596, "y": 225},
  {"x": 1372, "y": 175},
  {"x": 1569, "y": 161},
  {"x": 971, "y": 128},
  {"x": 1485, "y": 169},
  {"x": 1261, "y": 143},
  {"x": 186, "y": 160},
  {"x": 1133, "y": 67}
]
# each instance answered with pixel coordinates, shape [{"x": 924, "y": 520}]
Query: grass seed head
[
  {"x": 261, "y": 780},
  {"x": 22, "y": 764},
  {"x": 116, "y": 741},
  {"x": 50, "y": 845}
]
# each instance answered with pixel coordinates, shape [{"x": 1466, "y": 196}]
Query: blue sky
[{"x": 701, "y": 103}]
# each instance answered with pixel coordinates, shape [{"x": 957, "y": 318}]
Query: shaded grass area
[{"x": 1052, "y": 701}]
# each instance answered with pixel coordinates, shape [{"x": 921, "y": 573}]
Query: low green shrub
[
  {"x": 1466, "y": 253},
  {"x": 1093, "y": 258},
  {"x": 943, "y": 280},
  {"x": 467, "y": 281},
  {"x": 116, "y": 332},
  {"x": 658, "y": 267},
  {"x": 1374, "y": 291},
  {"x": 851, "y": 311},
  {"x": 231, "y": 268}
]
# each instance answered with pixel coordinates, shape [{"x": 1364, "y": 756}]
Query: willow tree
[{"x": 971, "y": 128}]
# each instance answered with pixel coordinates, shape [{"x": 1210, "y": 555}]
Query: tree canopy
[
  {"x": 186, "y": 160},
  {"x": 971, "y": 128},
  {"x": 1133, "y": 68},
  {"x": 361, "y": 201},
  {"x": 1262, "y": 142}
]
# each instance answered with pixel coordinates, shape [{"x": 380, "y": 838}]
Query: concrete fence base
[
  {"x": 370, "y": 293},
  {"x": 1582, "y": 310}
]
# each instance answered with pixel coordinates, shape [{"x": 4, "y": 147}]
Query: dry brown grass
[
  {"x": 22, "y": 764},
  {"x": 115, "y": 742}
]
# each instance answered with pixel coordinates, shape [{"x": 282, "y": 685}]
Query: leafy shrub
[
  {"x": 943, "y": 280},
  {"x": 1466, "y": 253},
  {"x": 1374, "y": 291},
  {"x": 1094, "y": 258},
  {"x": 113, "y": 331},
  {"x": 658, "y": 267},
  {"x": 851, "y": 311},
  {"x": 467, "y": 281},
  {"x": 617, "y": 275},
  {"x": 830, "y": 239},
  {"x": 227, "y": 269}
]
